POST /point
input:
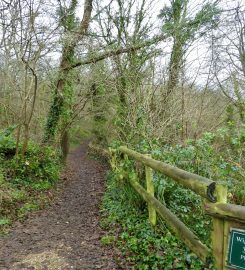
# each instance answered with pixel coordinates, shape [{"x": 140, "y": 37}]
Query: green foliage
[
  {"x": 40, "y": 164},
  {"x": 143, "y": 246},
  {"x": 7, "y": 142},
  {"x": 78, "y": 134},
  {"x": 67, "y": 16},
  {"x": 107, "y": 239},
  {"x": 218, "y": 156},
  {"x": 53, "y": 118},
  {"x": 99, "y": 110},
  {"x": 187, "y": 28},
  {"x": 18, "y": 195},
  {"x": 60, "y": 111},
  {"x": 4, "y": 221},
  {"x": 23, "y": 179},
  {"x": 27, "y": 208}
]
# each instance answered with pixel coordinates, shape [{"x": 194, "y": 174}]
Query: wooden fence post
[
  {"x": 218, "y": 229},
  {"x": 150, "y": 190}
]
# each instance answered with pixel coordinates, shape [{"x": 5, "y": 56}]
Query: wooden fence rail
[
  {"x": 228, "y": 219},
  {"x": 201, "y": 185}
]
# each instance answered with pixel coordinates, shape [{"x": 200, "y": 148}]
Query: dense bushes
[
  {"x": 24, "y": 179},
  {"x": 39, "y": 165},
  {"x": 219, "y": 156}
]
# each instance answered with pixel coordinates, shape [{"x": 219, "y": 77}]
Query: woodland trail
[{"x": 66, "y": 235}]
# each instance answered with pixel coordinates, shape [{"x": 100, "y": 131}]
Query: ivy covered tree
[
  {"x": 63, "y": 91},
  {"x": 127, "y": 23},
  {"x": 184, "y": 29}
]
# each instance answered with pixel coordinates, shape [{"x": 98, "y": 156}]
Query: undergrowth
[
  {"x": 26, "y": 181},
  {"x": 217, "y": 156},
  {"x": 144, "y": 247}
]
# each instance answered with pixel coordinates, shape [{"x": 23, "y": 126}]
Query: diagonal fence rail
[{"x": 227, "y": 218}]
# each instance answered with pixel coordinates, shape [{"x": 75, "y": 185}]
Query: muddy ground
[{"x": 65, "y": 235}]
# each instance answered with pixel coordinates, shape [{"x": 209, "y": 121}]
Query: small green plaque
[{"x": 236, "y": 254}]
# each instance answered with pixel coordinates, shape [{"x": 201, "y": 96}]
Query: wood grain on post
[
  {"x": 150, "y": 190},
  {"x": 217, "y": 234},
  {"x": 200, "y": 185},
  {"x": 177, "y": 226}
]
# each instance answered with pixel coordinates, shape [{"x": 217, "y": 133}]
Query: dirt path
[{"x": 66, "y": 235}]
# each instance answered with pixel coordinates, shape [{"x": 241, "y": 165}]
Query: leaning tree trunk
[
  {"x": 57, "y": 105},
  {"x": 66, "y": 66}
]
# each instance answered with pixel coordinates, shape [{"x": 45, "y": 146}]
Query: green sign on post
[{"x": 236, "y": 254}]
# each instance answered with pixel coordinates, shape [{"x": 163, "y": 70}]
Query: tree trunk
[{"x": 66, "y": 66}]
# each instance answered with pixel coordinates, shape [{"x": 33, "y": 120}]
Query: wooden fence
[{"x": 228, "y": 235}]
